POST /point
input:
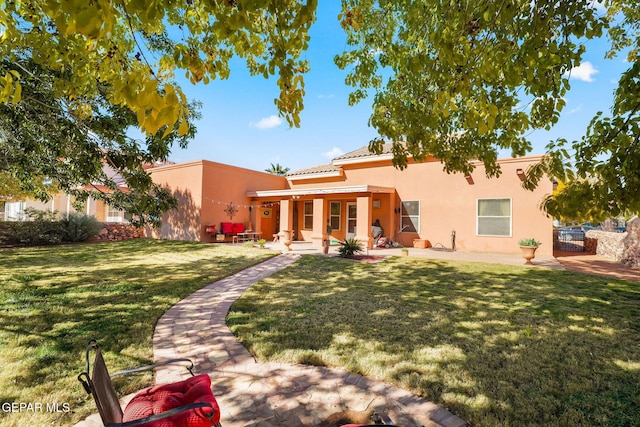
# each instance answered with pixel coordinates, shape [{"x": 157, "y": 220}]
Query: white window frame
[
  {"x": 110, "y": 217},
  {"x": 14, "y": 211},
  {"x": 338, "y": 217},
  {"x": 494, "y": 216},
  {"x": 410, "y": 216},
  {"x": 307, "y": 216}
]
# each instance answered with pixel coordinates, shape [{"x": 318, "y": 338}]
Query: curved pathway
[{"x": 257, "y": 394}]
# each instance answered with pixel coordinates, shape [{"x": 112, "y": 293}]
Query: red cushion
[
  {"x": 162, "y": 398},
  {"x": 227, "y": 227},
  {"x": 238, "y": 227}
]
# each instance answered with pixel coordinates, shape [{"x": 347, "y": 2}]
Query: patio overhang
[{"x": 353, "y": 189}]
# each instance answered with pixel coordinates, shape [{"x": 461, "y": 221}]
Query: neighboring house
[
  {"x": 62, "y": 203},
  {"x": 420, "y": 202}
]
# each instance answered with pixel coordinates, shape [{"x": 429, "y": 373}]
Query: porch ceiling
[{"x": 322, "y": 191}]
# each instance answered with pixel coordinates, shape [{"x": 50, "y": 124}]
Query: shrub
[
  {"x": 42, "y": 228},
  {"x": 349, "y": 248},
  {"x": 39, "y": 232},
  {"x": 79, "y": 227}
]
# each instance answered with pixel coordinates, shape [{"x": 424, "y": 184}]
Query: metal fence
[{"x": 572, "y": 241}]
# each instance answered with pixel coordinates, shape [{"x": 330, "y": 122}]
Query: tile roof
[
  {"x": 326, "y": 168},
  {"x": 364, "y": 152},
  {"x": 330, "y": 167}
]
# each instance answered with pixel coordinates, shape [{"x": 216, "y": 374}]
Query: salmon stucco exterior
[
  {"x": 421, "y": 204},
  {"x": 208, "y": 194}
]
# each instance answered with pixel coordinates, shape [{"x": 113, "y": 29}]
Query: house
[
  {"x": 62, "y": 203},
  {"x": 211, "y": 193},
  {"x": 421, "y": 202}
]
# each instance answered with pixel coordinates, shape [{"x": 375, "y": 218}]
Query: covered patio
[{"x": 349, "y": 211}]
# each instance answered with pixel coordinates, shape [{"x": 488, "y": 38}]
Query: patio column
[
  {"x": 319, "y": 221},
  {"x": 286, "y": 217},
  {"x": 364, "y": 218}
]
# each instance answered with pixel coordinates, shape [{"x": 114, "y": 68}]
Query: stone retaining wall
[
  {"x": 631, "y": 251},
  {"x": 606, "y": 243},
  {"x": 622, "y": 247},
  {"x": 118, "y": 231}
]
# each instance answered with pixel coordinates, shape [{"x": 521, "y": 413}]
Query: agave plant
[
  {"x": 349, "y": 248},
  {"x": 529, "y": 242}
]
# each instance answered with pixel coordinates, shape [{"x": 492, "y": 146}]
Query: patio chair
[{"x": 185, "y": 403}]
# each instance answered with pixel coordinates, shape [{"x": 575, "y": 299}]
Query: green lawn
[
  {"x": 54, "y": 299},
  {"x": 498, "y": 345}
]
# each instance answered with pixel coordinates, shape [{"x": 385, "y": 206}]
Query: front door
[{"x": 351, "y": 220}]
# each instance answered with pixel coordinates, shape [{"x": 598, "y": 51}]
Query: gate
[{"x": 569, "y": 240}]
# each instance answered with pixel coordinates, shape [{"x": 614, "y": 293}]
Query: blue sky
[{"x": 239, "y": 124}]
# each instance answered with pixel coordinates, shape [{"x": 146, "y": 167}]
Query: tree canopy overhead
[
  {"x": 467, "y": 79},
  {"x": 457, "y": 79},
  {"x": 75, "y": 75}
]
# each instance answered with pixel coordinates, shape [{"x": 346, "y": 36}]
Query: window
[
  {"x": 14, "y": 211},
  {"x": 114, "y": 215},
  {"x": 334, "y": 215},
  {"x": 308, "y": 215},
  {"x": 410, "y": 217},
  {"x": 494, "y": 217}
]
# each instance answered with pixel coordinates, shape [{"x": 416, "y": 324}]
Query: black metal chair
[{"x": 184, "y": 403}]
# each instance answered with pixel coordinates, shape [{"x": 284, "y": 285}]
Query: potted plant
[
  {"x": 528, "y": 247},
  {"x": 404, "y": 252}
]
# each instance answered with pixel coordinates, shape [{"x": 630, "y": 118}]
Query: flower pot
[
  {"x": 528, "y": 253},
  {"x": 420, "y": 243},
  {"x": 326, "y": 241}
]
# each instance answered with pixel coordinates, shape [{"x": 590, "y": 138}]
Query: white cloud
[
  {"x": 584, "y": 72},
  {"x": 335, "y": 152},
  {"x": 267, "y": 123},
  {"x": 575, "y": 110},
  {"x": 326, "y": 96}
]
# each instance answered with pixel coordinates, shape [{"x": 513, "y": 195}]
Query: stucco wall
[
  {"x": 448, "y": 202},
  {"x": 204, "y": 190},
  {"x": 184, "y": 180}
]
